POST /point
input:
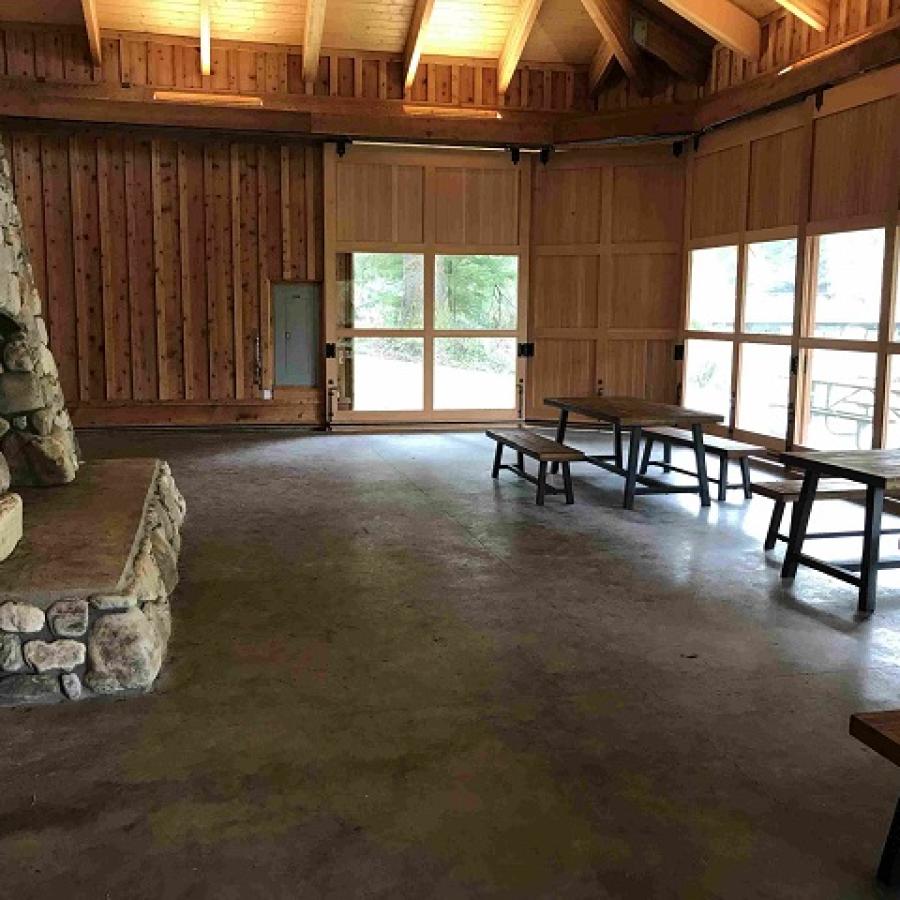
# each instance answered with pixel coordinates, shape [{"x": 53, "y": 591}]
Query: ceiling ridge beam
[
  {"x": 516, "y": 38},
  {"x": 613, "y": 21},
  {"x": 601, "y": 66},
  {"x": 313, "y": 27},
  {"x": 92, "y": 24},
  {"x": 415, "y": 40},
  {"x": 686, "y": 60},
  {"x": 724, "y": 21}
]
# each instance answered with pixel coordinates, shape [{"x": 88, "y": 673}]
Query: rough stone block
[
  {"x": 68, "y": 618},
  {"x": 166, "y": 559},
  {"x": 5, "y": 477},
  {"x": 29, "y": 688},
  {"x": 71, "y": 685},
  {"x": 43, "y": 420},
  {"x": 10, "y": 522},
  {"x": 11, "y": 653},
  {"x": 18, "y": 356},
  {"x": 20, "y": 392},
  {"x": 113, "y": 602},
  {"x": 125, "y": 651},
  {"x": 40, "y": 327},
  {"x": 48, "y": 655},
  {"x": 20, "y": 618}
]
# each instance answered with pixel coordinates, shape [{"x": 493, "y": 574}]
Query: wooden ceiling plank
[
  {"x": 813, "y": 12},
  {"x": 415, "y": 40},
  {"x": 685, "y": 59},
  {"x": 516, "y": 38},
  {"x": 313, "y": 26},
  {"x": 724, "y": 21},
  {"x": 91, "y": 23},
  {"x": 601, "y": 65},
  {"x": 613, "y": 21}
]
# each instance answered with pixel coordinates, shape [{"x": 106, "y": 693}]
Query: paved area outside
[{"x": 391, "y": 677}]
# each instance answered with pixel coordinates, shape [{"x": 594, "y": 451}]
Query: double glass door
[{"x": 427, "y": 336}]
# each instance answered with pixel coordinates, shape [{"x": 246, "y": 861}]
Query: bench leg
[
  {"x": 889, "y": 867},
  {"x": 745, "y": 477},
  {"x": 542, "y": 483},
  {"x": 634, "y": 445},
  {"x": 498, "y": 458},
  {"x": 520, "y": 461},
  {"x": 723, "y": 478},
  {"x": 871, "y": 539},
  {"x": 700, "y": 459},
  {"x": 667, "y": 455},
  {"x": 617, "y": 442},
  {"x": 567, "y": 482},
  {"x": 774, "y": 525},
  {"x": 560, "y": 435},
  {"x": 645, "y": 459}
]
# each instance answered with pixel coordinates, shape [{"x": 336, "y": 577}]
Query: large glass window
[
  {"x": 382, "y": 290},
  {"x": 769, "y": 296},
  {"x": 712, "y": 290},
  {"x": 893, "y": 404},
  {"x": 764, "y": 383},
  {"x": 841, "y": 406},
  {"x": 848, "y": 284},
  {"x": 474, "y": 373},
  {"x": 476, "y": 292},
  {"x": 381, "y": 374},
  {"x": 707, "y": 383}
]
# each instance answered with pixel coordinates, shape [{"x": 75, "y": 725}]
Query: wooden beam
[
  {"x": 516, "y": 38},
  {"x": 613, "y": 21},
  {"x": 415, "y": 38},
  {"x": 685, "y": 59},
  {"x": 724, "y": 21},
  {"x": 91, "y": 23},
  {"x": 813, "y": 12},
  {"x": 601, "y": 65},
  {"x": 205, "y": 39},
  {"x": 313, "y": 26}
]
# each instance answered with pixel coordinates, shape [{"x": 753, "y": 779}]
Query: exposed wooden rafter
[
  {"x": 613, "y": 21},
  {"x": 601, "y": 65},
  {"x": 724, "y": 21},
  {"x": 89, "y": 8},
  {"x": 813, "y": 12},
  {"x": 313, "y": 25},
  {"x": 516, "y": 38},
  {"x": 684, "y": 58},
  {"x": 415, "y": 38}
]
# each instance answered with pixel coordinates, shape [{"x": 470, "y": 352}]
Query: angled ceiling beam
[
  {"x": 415, "y": 39},
  {"x": 516, "y": 38},
  {"x": 601, "y": 65},
  {"x": 724, "y": 21},
  {"x": 684, "y": 58},
  {"x": 313, "y": 25},
  {"x": 89, "y": 8},
  {"x": 205, "y": 40},
  {"x": 813, "y": 12},
  {"x": 613, "y": 21}
]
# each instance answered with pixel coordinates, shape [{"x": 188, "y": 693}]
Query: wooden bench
[
  {"x": 881, "y": 732},
  {"x": 724, "y": 449},
  {"x": 540, "y": 448}
]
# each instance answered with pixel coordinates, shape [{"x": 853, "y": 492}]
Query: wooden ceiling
[{"x": 602, "y": 34}]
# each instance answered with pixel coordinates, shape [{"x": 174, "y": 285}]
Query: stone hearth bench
[{"x": 84, "y": 598}]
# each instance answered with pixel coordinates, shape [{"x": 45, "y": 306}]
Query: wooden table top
[
  {"x": 632, "y": 411},
  {"x": 880, "y": 468},
  {"x": 880, "y": 731}
]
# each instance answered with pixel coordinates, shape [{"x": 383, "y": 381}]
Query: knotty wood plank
[{"x": 236, "y": 279}]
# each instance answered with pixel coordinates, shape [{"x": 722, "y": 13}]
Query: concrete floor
[{"x": 392, "y": 678}]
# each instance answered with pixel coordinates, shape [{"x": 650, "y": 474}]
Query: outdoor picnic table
[
  {"x": 879, "y": 471},
  {"x": 634, "y": 414}
]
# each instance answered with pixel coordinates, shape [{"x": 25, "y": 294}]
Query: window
[
  {"x": 893, "y": 404},
  {"x": 848, "y": 284},
  {"x": 382, "y": 290},
  {"x": 769, "y": 299},
  {"x": 382, "y": 374},
  {"x": 841, "y": 391},
  {"x": 765, "y": 378},
  {"x": 712, "y": 290},
  {"x": 476, "y": 292},
  {"x": 708, "y": 376},
  {"x": 474, "y": 373}
]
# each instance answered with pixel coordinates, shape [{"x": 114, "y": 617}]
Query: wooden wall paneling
[
  {"x": 450, "y": 205},
  {"x": 492, "y": 206},
  {"x": 246, "y": 241},
  {"x": 237, "y": 284},
  {"x": 49, "y": 61},
  {"x": 28, "y": 178},
  {"x": 409, "y": 204},
  {"x": 646, "y": 290},
  {"x": 564, "y": 291},
  {"x": 141, "y": 275},
  {"x": 568, "y": 206},
  {"x": 262, "y": 365},
  {"x": 20, "y": 53},
  {"x": 647, "y": 202},
  {"x": 365, "y": 205},
  {"x": 560, "y": 368},
  {"x": 776, "y": 164},
  {"x": 717, "y": 197},
  {"x": 297, "y": 211},
  {"x": 314, "y": 212}
]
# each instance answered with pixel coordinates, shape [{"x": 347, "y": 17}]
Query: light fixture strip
[{"x": 205, "y": 54}]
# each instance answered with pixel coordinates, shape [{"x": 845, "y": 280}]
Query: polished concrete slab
[{"x": 392, "y": 677}]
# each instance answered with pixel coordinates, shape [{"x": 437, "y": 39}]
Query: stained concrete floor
[{"x": 392, "y": 678}]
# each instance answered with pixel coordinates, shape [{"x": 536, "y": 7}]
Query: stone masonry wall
[{"x": 106, "y": 642}]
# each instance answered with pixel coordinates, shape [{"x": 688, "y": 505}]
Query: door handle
[{"x": 287, "y": 335}]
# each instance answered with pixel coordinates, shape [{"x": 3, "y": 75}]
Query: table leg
[
  {"x": 560, "y": 435},
  {"x": 799, "y": 523},
  {"x": 498, "y": 458},
  {"x": 542, "y": 483},
  {"x": 774, "y": 525},
  {"x": 871, "y": 539},
  {"x": 634, "y": 446},
  {"x": 745, "y": 478},
  {"x": 723, "y": 478},
  {"x": 700, "y": 459},
  {"x": 617, "y": 442},
  {"x": 889, "y": 867},
  {"x": 648, "y": 451},
  {"x": 567, "y": 481}
]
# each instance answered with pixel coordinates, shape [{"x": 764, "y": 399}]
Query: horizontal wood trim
[{"x": 175, "y": 414}]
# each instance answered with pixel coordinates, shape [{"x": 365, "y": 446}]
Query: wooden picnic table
[
  {"x": 878, "y": 471},
  {"x": 634, "y": 414}
]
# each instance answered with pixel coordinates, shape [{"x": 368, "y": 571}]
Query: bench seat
[{"x": 544, "y": 450}]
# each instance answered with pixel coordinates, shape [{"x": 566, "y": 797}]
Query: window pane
[
  {"x": 841, "y": 400},
  {"x": 897, "y": 282},
  {"x": 848, "y": 284},
  {"x": 712, "y": 289},
  {"x": 381, "y": 290},
  {"x": 381, "y": 373},
  {"x": 769, "y": 300},
  {"x": 476, "y": 292},
  {"x": 893, "y": 411},
  {"x": 762, "y": 401},
  {"x": 474, "y": 373},
  {"x": 707, "y": 382}
]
